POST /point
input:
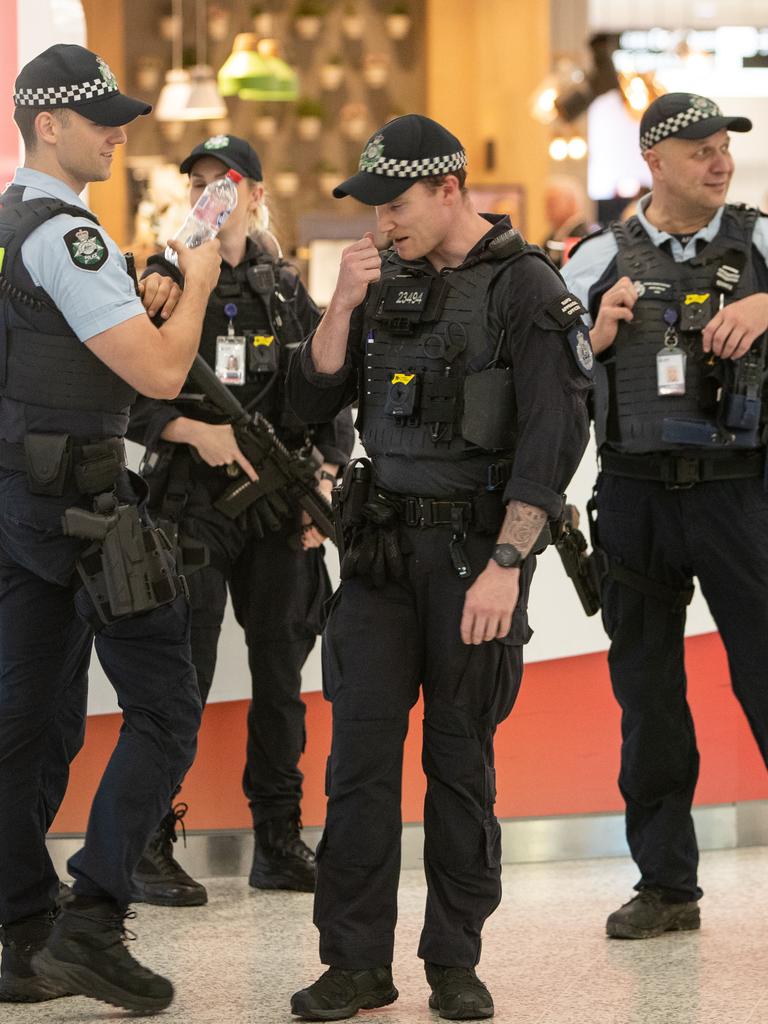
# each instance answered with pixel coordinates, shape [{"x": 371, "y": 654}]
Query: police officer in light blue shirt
[
  {"x": 678, "y": 296},
  {"x": 79, "y": 564}
]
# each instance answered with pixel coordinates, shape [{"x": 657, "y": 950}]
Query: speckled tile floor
[{"x": 546, "y": 959}]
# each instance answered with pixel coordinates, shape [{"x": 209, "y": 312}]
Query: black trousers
[
  {"x": 717, "y": 532},
  {"x": 46, "y": 638},
  {"x": 278, "y": 593},
  {"x": 379, "y": 648}
]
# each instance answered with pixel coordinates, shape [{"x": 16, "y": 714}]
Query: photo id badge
[
  {"x": 230, "y": 358},
  {"x": 670, "y": 371}
]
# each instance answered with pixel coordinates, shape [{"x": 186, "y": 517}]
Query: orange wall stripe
[{"x": 557, "y": 753}]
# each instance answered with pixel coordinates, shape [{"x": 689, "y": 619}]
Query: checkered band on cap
[
  {"x": 676, "y": 123},
  {"x": 423, "y": 168},
  {"x": 58, "y": 95}
]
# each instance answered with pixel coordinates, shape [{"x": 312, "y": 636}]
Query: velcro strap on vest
[{"x": 681, "y": 471}]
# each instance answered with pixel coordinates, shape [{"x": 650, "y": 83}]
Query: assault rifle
[
  {"x": 292, "y": 473},
  {"x": 584, "y": 569}
]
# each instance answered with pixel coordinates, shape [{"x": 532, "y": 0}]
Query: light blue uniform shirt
[
  {"x": 91, "y": 301},
  {"x": 590, "y": 262}
]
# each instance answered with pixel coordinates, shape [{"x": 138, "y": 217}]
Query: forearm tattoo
[{"x": 522, "y": 525}]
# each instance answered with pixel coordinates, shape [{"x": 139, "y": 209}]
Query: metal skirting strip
[{"x": 572, "y": 837}]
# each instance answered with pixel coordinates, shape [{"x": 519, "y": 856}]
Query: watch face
[{"x": 507, "y": 556}]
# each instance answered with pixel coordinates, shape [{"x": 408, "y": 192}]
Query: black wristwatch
[
  {"x": 507, "y": 556},
  {"x": 325, "y": 475}
]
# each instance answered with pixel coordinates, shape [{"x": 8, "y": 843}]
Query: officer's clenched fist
[{"x": 360, "y": 266}]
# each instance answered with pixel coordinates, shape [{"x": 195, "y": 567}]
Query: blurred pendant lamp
[
  {"x": 175, "y": 93},
  {"x": 203, "y": 102},
  {"x": 254, "y": 71}
]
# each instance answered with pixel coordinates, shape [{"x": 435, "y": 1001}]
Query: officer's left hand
[
  {"x": 730, "y": 333},
  {"x": 489, "y": 604},
  {"x": 311, "y": 536},
  {"x": 159, "y": 293}
]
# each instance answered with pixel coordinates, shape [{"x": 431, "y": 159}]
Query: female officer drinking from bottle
[{"x": 256, "y": 315}]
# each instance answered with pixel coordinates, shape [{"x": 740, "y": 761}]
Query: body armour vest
[
  {"x": 257, "y": 299},
  {"x": 431, "y": 382},
  {"x": 49, "y": 381},
  {"x": 708, "y": 402}
]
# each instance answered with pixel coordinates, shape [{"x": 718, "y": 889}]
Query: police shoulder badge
[
  {"x": 372, "y": 153},
  {"x": 86, "y": 248},
  {"x": 216, "y": 142},
  {"x": 578, "y": 339}
]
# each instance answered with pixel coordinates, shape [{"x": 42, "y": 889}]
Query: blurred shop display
[{"x": 305, "y": 80}]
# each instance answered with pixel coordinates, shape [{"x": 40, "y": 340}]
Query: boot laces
[
  {"x": 178, "y": 813},
  {"x": 114, "y": 923}
]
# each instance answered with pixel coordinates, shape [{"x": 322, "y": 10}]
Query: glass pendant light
[
  {"x": 174, "y": 95},
  {"x": 254, "y": 71},
  {"x": 203, "y": 101}
]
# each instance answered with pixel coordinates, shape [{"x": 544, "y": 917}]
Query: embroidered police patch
[
  {"x": 578, "y": 339},
  {"x": 372, "y": 154},
  {"x": 216, "y": 142},
  {"x": 86, "y": 248}
]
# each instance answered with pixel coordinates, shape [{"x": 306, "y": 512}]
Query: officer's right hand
[
  {"x": 201, "y": 265},
  {"x": 360, "y": 266},
  {"x": 616, "y": 305},
  {"x": 216, "y": 445}
]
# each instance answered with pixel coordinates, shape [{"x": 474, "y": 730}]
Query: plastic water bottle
[{"x": 206, "y": 217}]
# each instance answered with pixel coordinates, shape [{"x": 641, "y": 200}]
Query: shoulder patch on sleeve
[
  {"x": 86, "y": 248},
  {"x": 559, "y": 313},
  {"x": 581, "y": 349}
]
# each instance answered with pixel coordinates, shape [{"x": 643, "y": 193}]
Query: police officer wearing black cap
[
  {"x": 79, "y": 563},
  {"x": 679, "y": 298},
  {"x": 470, "y": 365},
  {"x": 257, "y": 314}
]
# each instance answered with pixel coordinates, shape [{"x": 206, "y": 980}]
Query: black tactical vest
[
  {"x": 683, "y": 297},
  {"x": 263, "y": 290},
  {"x": 431, "y": 382},
  {"x": 49, "y": 380}
]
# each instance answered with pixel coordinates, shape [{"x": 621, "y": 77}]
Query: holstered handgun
[
  {"x": 129, "y": 567},
  {"x": 584, "y": 569}
]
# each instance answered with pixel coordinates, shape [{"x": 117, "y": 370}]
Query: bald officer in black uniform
[
  {"x": 466, "y": 355},
  {"x": 679, "y": 298},
  {"x": 78, "y": 564}
]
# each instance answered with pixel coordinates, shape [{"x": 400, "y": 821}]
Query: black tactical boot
[
  {"x": 86, "y": 954},
  {"x": 338, "y": 994},
  {"x": 18, "y": 981},
  {"x": 648, "y": 914},
  {"x": 458, "y": 993},
  {"x": 158, "y": 877},
  {"x": 281, "y": 860}
]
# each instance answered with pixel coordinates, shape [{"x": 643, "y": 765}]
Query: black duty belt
[
  {"x": 418, "y": 511},
  {"x": 484, "y": 512},
  {"x": 13, "y": 456},
  {"x": 681, "y": 471}
]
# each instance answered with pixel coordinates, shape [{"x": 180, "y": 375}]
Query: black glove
[
  {"x": 377, "y": 549},
  {"x": 265, "y": 514}
]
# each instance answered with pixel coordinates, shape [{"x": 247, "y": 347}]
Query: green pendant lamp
[{"x": 254, "y": 71}]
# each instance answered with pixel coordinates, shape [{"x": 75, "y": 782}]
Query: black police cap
[
  {"x": 684, "y": 115},
  {"x": 232, "y": 151},
  {"x": 398, "y": 155},
  {"x": 70, "y": 77}
]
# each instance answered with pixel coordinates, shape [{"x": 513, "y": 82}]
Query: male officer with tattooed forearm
[{"x": 468, "y": 360}]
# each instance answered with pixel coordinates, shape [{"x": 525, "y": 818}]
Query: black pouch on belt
[
  {"x": 48, "y": 460},
  {"x": 98, "y": 468}
]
